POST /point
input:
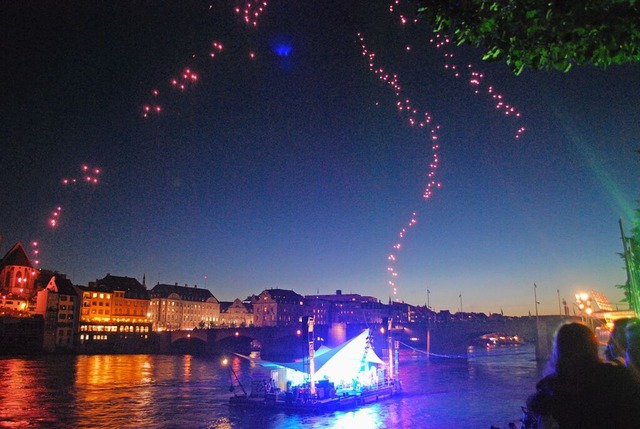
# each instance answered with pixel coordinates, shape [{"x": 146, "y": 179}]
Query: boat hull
[{"x": 287, "y": 403}]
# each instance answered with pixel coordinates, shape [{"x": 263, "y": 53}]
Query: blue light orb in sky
[
  {"x": 282, "y": 46},
  {"x": 282, "y": 49}
]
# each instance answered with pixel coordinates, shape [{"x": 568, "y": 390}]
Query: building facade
[
  {"x": 236, "y": 313},
  {"x": 278, "y": 307},
  {"x": 174, "y": 307},
  {"x": 345, "y": 308},
  {"x": 114, "y": 312},
  {"x": 57, "y": 303},
  {"x": 17, "y": 275}
]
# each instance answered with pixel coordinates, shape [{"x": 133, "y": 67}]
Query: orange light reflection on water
[
  {"x": 106, "y": 380},
  {"x": 17, "y": 403}
]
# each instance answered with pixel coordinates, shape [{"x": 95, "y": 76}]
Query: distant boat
[
  {"x": 349, "y": 375},
  {"x": 495, "y": 339}
]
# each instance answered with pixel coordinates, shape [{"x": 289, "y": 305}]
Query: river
[{"x": 168, "y": 391}]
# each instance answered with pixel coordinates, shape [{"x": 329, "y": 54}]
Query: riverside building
[
  {"x": 174, "y": 307},
  {"x": 236, "y": 313},
  {"x": 278, "y": 307},
  {"x": 58, "y": 303},
  {"x": 114, "y": 315}
]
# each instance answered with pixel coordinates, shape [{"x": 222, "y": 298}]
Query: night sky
[{"x": 295, "y": 169}]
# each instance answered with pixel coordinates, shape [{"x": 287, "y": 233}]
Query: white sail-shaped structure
[{"x": 351, "y": 363}]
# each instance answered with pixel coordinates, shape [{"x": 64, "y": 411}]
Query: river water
[{"x": 159, "y": 391}]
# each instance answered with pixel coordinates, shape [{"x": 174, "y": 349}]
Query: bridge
[
  {"x": 225, "y": 340},
  {"x": 454, "y": 337},
  {"x": 440, "y": 338}
]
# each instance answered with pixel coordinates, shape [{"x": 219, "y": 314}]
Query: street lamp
[
  {"x": 235, "y": 381},
  {"x": 583, "y": 301}
]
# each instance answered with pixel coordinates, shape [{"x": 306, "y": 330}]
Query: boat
[
  {"x": 347, "y": 376},
  {"x": 495, "y": 339}
]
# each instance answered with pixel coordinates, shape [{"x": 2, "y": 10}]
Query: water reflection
[
  {"x": 132, "y": 391},
  {"x": 31, "y": 394},
  {"x": 366, "y": 417},
  {"x": 15, "y": 375}
]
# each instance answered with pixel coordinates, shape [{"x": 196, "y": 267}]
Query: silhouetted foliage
[
  {"x": 632, "y": 261},
  {"x": 541, "y": 34}
]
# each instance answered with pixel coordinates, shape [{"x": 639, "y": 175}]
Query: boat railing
[{"x": 381, "y": 384}]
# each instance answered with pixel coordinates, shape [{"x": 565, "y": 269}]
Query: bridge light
[
  {"x": 225, "y": 361},
  {"x": 298, "y": 332},
  {"x": 237, "y": 333}
]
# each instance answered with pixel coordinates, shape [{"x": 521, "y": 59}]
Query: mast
[
  {"x": 312, "y": 366},
  {"x": 390, "y": 348},
  {"x": 632, "y": 275}
]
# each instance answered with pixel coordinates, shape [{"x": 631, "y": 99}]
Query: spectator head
[
  {"x": 617, "y": 345},
  {"x": 575, "y": 348}
]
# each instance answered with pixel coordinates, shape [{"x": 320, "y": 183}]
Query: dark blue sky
[{"x": 298, "y": 172}]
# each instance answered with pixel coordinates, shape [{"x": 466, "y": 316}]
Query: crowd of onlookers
[{"x": 581, "y": 390}]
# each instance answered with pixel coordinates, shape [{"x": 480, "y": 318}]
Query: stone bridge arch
[
  {"x": 273, "y": 340},
  {"x": 195, "y": 334},
  {"x": 188, "y": 342}
]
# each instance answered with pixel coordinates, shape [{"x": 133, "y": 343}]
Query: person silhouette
[
  {"x": 581, "y": 391},
  {"x": 632, "y": 349},
  {"x": 617, "y": 344}
]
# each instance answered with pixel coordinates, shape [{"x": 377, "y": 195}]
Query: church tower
[{"x": 17, "y": 274}]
